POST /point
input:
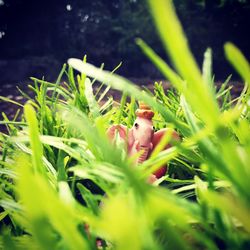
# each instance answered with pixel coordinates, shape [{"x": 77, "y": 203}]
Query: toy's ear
[
  {"x": 161, "y": 171},
  {"x": 121, "y": 129},
  {"x": 159, "y": 134}
]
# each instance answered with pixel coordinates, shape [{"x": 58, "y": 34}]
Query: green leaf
[
  {"x": 162, "y": 66},
  {"x": 122, "y": 84},
  {"x": 43, "y": 204},
  {"x": 238, "y": 60},
  {"x": 173, "y": 38},
  {"x": 93, "y": 105},
  {"x": 3, "y": 215},
  {"x": 89, "y": 198},
  {"x": 36, "y": 145}
]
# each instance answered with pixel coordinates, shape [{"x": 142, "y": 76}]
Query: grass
[{"x": 57, "y": 164}]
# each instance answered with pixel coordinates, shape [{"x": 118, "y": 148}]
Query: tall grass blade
[{"x": 36, "y": 145}]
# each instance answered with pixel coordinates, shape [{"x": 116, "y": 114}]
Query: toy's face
[{"x": 143, "y": 131}]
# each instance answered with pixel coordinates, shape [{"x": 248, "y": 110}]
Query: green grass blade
[
  {"x": 93, "y": 105},
  {"x": 124, "y": 85},
  {"x": 10, "y": 101},
  {"x": 175, "y": 42},
  {"x": 161, "y": 65},
  {"x": 36, "y": 145},
  {"x": 238, "y": 60},
  {"x": 57, "y": 214}
]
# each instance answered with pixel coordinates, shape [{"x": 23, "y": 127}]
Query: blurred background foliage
[{"x": 40, "y": 35}]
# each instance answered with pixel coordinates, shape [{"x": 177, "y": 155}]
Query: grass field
[{"x": 64, "y": 186}]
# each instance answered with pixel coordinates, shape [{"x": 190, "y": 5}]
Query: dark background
[{"x": 37, "y": 37}]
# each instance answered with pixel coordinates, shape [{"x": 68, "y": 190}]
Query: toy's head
[{"x": 143, "y": 126}]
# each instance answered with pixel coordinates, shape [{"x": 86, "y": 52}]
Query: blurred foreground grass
[{"x": 56, "y": 163}]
